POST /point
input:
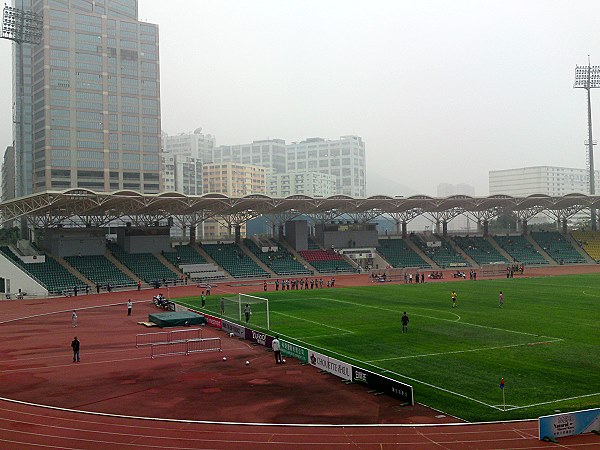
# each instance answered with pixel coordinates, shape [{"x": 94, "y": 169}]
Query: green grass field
[{"x": 544, "y": 341}]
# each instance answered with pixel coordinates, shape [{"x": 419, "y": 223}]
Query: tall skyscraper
[
  {"x": 91, "y": 97},
  {"x": 344, "y": 158}
]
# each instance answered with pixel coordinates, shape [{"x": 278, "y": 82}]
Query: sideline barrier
[
  {"x": 569, "y": 424},
  {"x": 380, "y": 383},
  {"x": 167, "y": 336},
  {"x": 185, "y": 347}
]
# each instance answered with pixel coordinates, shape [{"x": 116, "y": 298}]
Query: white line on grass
[
  {"x": 553, "y": 401},
  {"x": 312, "y": 321},
  {"x": 466, "y": 351},
  {"x": 437, "y": 318},
  {"x": 382, "y": 371},
  {"x": 324, "y": 335}
]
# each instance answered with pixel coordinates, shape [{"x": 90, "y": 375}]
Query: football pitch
[{"x": 544, "y": 341}]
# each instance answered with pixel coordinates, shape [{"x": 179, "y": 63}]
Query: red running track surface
[{"x": 86, "y": 404}]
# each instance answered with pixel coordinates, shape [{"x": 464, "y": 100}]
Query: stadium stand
[
  {"x": 145, "y": 265},
  {"x": 479, "y": 249},
  {"x": 50, "y": 273},
  {"x": 398, "y": 254},
  {"x": 234, "y": 260},
  {"x": 184, "y": 254},
  {"x": 100, "y": 270},
  {"x": 281, "y": 262},
  {"x": 444, "y": 256},
  {"x": 312, "y": 245},
  {"x": 326, "y": 261},
  {"x": 589, "y": 241},
  {"x": 520, "y": 249},
  {"x": 558, "y": 247}
]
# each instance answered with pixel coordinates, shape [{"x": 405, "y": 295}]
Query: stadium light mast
[
  {"x": 588, "y": 78},
  {"x": 21, "y": 27}
]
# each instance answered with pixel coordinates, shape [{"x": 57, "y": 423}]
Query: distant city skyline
[{"x": 441, "y": 91}]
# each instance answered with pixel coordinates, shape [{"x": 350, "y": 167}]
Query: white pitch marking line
[
  {"x": 438, "y": 318},
  {"x": 323, "y": 335},
  {"x": 554, "y": 401},
  {"x": 312, "y": 321},
  {"x": 326, "y": 350},
  {"x": 466, "y": 351}
]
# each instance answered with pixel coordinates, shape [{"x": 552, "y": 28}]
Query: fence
[
  {"x": 185, "y": 347},
  {"x": 167, "y": 336}
]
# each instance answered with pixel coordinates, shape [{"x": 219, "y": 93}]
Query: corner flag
[{"x": 502, "y": 383}]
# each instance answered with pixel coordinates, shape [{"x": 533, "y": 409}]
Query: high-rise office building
[
  {"x": 181, "y": 173},
  {"x": 344, "y": 158},
  {"x": 196, "y": 145},
  {"x": 269, "y": 154},
  {"x": 91, "y": 99},
  {"x": 8, "y": 174}
]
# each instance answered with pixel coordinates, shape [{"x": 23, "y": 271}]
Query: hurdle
[
  {"x": 145, "y": 339},
  {"x": 185, "y": 347}
]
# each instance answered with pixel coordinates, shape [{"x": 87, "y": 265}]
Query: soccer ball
[
  {"x": 224, "y": 358},
  {"x": 283, "y": 361},
  {"x": 230, "y": 334},
  {"x": 247, "y": 363}
]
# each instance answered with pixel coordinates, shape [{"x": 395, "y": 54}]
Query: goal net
[{"x": 235, "y": 308}]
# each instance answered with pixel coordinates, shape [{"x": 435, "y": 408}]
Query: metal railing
[
  {"x": 166, "y": 337},
  {"x": 185, "y": 347}
]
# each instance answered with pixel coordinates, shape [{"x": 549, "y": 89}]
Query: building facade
[
  {"x": 546, "y": 180},
  {"x": 196, "y": 145},
  {"x": 313, "y": 184},
  {"x": 91, "y": 96},
  {"x": 343, "y": 158},
  {"x": 8, "y": 174},
  {"x": 270, "y": 154},
  {"x": 233, "y": 180},
  {"x": 181, "y": 173}
]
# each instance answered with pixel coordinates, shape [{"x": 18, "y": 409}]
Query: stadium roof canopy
[{"x": 82, "y": 207}]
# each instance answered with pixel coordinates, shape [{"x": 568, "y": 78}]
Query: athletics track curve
[{"x": 23, "y": 425}]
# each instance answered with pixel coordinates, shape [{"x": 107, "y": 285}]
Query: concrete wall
[
  {"x": 75, "y": 241},
  {"x": 296, "y": 234},
  {"x": 19, "y": 279},
  {"x": 346, "y": 239},
  {"x": 157, "y": 240}
]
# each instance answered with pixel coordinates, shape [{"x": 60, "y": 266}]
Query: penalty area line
[
  {"x": 467, "y": 351},
  {"x": 312, "y": 321}
]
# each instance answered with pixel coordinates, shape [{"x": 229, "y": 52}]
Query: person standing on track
[
  {"x": 129, "y": 307},
  {"x": 276, "y": 350},
  {"x": 75, "y": 347},
  {"x": 454, "y": 299},
  {"x": 74, "y": 319},
  {"x": 404, "y": 322}
]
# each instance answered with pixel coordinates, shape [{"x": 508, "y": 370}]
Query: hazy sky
[{"x": 441, "y": 91}]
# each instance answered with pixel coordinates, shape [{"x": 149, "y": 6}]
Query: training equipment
[
  {"x": 234, "y": 309},
  {"x": 174, "y": 319},
  {"x": 185, "y": 347},
  {"x": 167, "y": 336},
  {"x": 224, "y": 358},
  {"x": 247, "y": 363}
]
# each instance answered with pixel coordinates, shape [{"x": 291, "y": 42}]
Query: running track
[{"x": 29, "y": 426}]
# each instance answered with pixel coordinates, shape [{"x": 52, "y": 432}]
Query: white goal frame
[{"x": 242, "y": 299}]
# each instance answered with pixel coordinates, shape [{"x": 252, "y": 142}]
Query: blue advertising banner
[{"x": 569, "y": 424}]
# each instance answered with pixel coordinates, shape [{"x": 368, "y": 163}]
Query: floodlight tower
[
  {"x": 588, "y": 77},
  {"x": 21, "y": 27}
]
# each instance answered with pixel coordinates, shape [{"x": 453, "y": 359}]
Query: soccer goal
[{"x": 234, "y": 307}]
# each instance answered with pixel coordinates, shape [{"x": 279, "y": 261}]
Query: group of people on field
[{"x": 301, "y": 283}]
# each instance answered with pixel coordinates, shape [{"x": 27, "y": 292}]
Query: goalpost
[{"x": 234, "y": 308}]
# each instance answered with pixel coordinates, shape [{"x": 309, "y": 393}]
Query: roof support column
[
  {"x": 486, "y": 227},
  {"x": 404, "y": 230}
]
